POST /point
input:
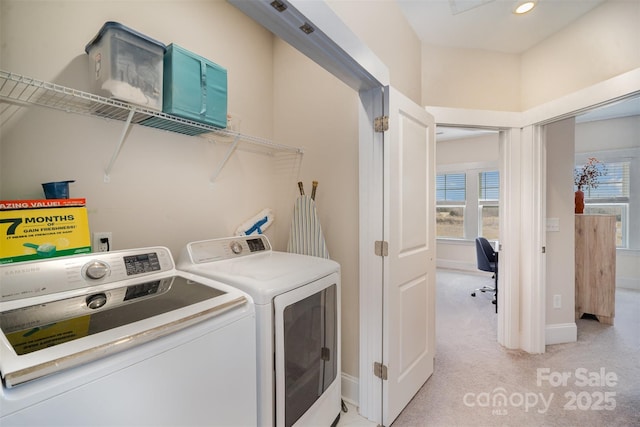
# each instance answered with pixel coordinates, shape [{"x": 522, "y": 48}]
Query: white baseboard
[
  {"x": 560, "y": 333},
  {"x": 628, "y": 283},
  {"x": 350, "y": 389},
  {"x": 455, "y": 265}
]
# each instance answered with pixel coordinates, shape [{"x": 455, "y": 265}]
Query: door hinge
[
  {"x": 381, "y": 124},
  {"x": 325, "y": 354},
  {"x": 381, "y": 248},
  {"x": 380, "y": 370}
]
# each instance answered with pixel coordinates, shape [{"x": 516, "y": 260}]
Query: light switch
[{"x": 553, "y": 224}]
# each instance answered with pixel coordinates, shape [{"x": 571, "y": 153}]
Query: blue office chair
[{"x": 487, "y": 261}]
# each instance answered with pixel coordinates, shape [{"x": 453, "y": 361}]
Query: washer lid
[{"x": 50, "y": 336}]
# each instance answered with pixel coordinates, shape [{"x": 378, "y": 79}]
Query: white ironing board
[{"x": 306, "y": 236}]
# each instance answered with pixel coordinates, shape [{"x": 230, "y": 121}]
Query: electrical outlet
[
  {"x": 557, "y": 301},
  {"x": 102, "y": 241}
]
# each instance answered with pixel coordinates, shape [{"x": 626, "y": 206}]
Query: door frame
[
  {"x": 522, "y": 171},
  {"x": 371, "y": 154}
]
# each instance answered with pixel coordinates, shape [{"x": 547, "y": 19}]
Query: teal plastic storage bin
[{"x": 194, "y": 87}]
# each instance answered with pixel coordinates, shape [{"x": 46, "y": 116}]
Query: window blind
[
  {"x": 489, "y": 185},
  {"x": 451, "y": 187},
  {"x": 612, "y": 186}
]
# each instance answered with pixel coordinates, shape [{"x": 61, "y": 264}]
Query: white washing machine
[
  {"x": 297, "y": 300},
  {"x": 123, "y": 338}
]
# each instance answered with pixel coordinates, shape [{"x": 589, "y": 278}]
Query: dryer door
[{"x": 307, "y": 351}]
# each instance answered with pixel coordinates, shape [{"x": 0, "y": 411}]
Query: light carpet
[{"x": 592, "y": 382}]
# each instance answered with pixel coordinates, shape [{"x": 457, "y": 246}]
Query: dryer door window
[{"x": 310, "y": 357}]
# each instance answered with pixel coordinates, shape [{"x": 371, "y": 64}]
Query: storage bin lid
[{"x": 111, "y": 25}]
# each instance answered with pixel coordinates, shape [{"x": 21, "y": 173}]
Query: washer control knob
[
  {"x": 96, "y": 270},
  {"x": 96, "y": 301},
  {"x": 236, "y": 247}
]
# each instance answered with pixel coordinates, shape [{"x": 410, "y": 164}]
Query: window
[
  {"x": 611, "y": 197},
  {"x": 451, "y": 187},
  {"x": 614, "y": 185},
  {"x": 489, "y": 185},
  {"x": 451, "y": 196},
  {"x": 467, "y": 204},
  {"x": 488, "y": 196}
]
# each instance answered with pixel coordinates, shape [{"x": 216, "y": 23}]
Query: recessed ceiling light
[{"x": 524, "y": 7}]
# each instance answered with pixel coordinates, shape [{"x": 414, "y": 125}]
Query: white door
[{"x": 409, "y": 269}]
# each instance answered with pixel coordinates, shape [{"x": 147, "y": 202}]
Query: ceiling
[{"x": 490, "y": 24}]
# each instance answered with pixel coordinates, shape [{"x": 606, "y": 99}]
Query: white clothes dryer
[
  {"x": 123, "y": 338},
  {"x": 297, "y": 299}
]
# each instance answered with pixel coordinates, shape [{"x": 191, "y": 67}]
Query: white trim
[
  {"x": 485, "y": 119},
  {"x": 355, "y": 50},
  {"x": 616, "y": 88},
  {"x": 370, "y": 226},
  {"x": 350, "y": 387},
  {"x": 627, "y": 252},
  {"x": 332, "y": 45},
  {"x": 455, "y": 265},
  {"x": 560, "y": 333},
  {"x": 615, "y": 155},
  {"x": 533, "y": 212},
  {"x": 628, "y": 283},
  {"x": 464, "y": 167},
  {"x": 453, "y": 241},
  {"x": 509, "y": 285}
]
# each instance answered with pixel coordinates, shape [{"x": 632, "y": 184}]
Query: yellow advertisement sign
[{"x": 36, "y": 234}]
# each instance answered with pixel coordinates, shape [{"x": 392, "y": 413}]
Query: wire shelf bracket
[
  {"x": 116, "y": 153},
  {"x": 22, "y": 91},
  {"x": 224, "y": 160}
]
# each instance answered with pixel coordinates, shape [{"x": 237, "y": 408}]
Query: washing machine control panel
[
  {"x": 36, "y": 278},
  {"x": 226, "y": 248}
]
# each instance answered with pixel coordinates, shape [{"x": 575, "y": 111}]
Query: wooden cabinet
[{"x": 596, "y": 266}]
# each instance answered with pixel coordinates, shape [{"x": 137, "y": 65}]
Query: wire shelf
[{"x": 23, "y": 91}]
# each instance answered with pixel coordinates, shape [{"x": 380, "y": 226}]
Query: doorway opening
[{"x": 611, "y": 134}]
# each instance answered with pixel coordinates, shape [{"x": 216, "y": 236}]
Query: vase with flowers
[{"x": 585, "y": 178}]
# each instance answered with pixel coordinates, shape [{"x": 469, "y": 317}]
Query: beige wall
[
  {"x": 159, "y": 192},
  {"x": 560, "y": 204},
  {"x": 601, "y": 44},
  {"x": 475, "y": 79},
  {"x": 315, "y": 110},
  {"x": 383, "y": 27},
  {"x": 475, "y": 149}
]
